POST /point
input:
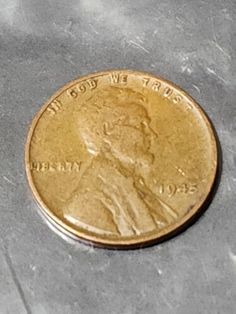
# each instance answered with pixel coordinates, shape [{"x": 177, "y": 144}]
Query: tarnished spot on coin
[{"x": 121, "y": 158}]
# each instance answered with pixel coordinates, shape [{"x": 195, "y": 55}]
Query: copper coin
[{"x": 121, "y": 158}]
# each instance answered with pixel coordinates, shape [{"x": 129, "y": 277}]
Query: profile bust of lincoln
[{"x": 111, "y": 196}]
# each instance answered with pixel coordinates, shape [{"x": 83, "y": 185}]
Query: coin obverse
[{"x": 121, "y": 159}]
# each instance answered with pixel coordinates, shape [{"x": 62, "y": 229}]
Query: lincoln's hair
[{"x": 112, "y": 106}]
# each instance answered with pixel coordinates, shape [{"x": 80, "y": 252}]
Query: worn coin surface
[{"x": 121, "y": 158}]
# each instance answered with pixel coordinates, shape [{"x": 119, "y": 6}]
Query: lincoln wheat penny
[{"x": 121, "y": 159}]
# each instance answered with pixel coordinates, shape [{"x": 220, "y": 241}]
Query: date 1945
[{"x": 174, "y": 189}]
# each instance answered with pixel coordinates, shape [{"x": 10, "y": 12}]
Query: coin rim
[{"x": 154, "y": 236}]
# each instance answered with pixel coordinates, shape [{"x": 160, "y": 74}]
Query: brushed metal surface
[{"x": 43, "y": 45}]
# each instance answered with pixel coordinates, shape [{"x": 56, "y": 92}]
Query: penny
[{"x": 121, "y": 158}]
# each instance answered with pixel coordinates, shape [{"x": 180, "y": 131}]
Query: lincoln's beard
[
  {"x": 143, "y": 163},
  {"x": 145, "y": 160},
  {"x": 138, "y": 161}
]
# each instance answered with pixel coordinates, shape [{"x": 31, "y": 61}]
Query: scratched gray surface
[{"x": 43, "y": 45}]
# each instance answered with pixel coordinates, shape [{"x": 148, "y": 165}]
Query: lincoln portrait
[{"x": 111, "y": 196}]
